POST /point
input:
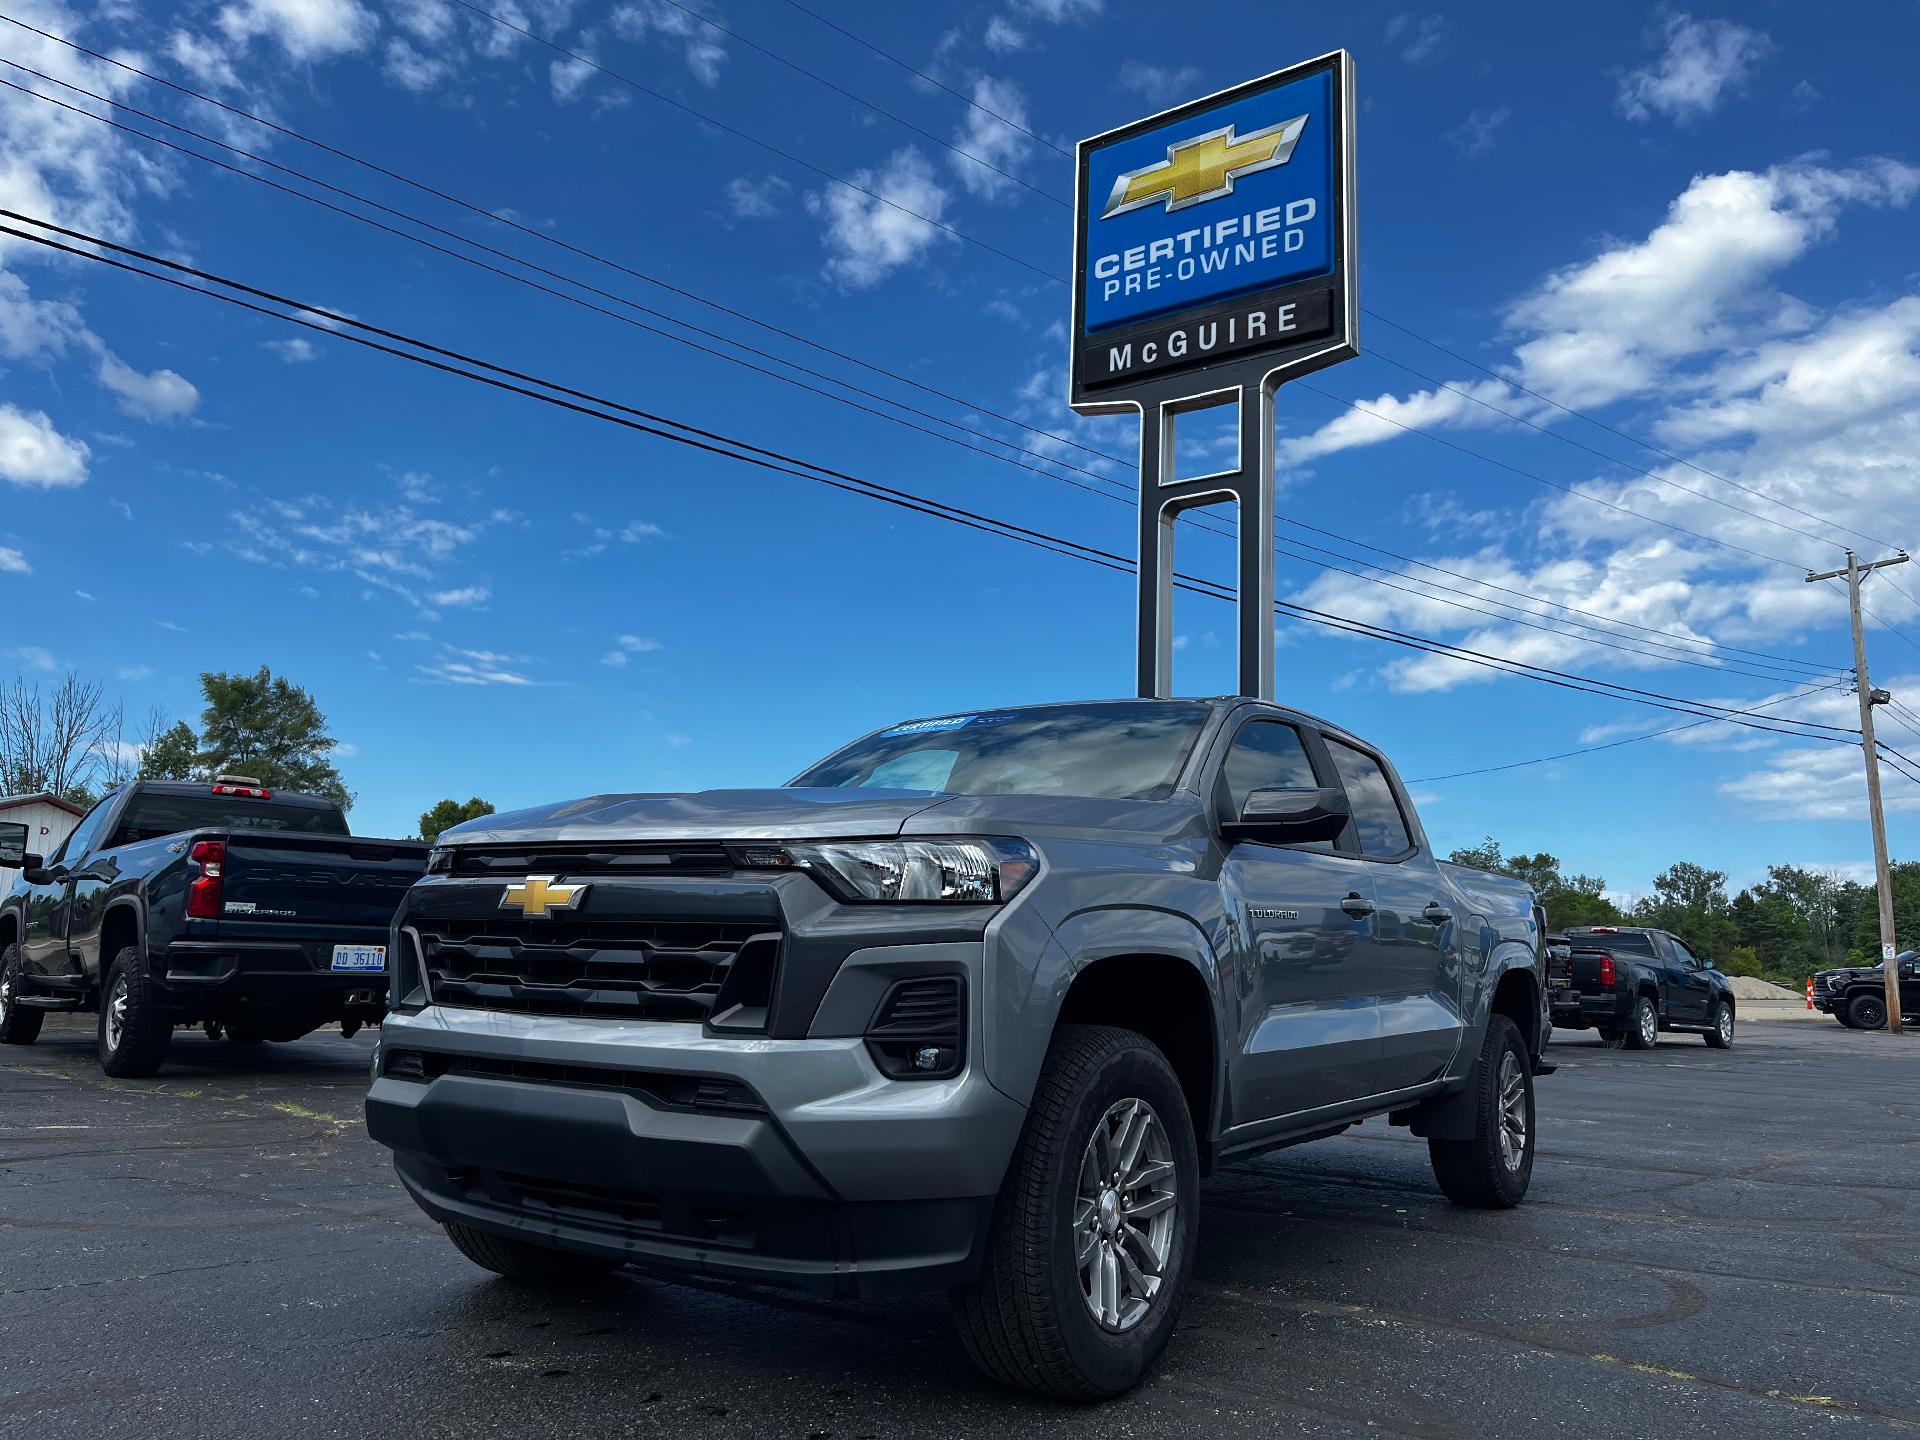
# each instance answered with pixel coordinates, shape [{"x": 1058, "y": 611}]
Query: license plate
[{"x": 360, "y": 957}]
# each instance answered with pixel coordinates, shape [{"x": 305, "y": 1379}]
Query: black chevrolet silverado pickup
[
  {"x": 1856, "y": 995},
  {"x": 251, "y": 912},
  {"x": 1631, "y": 983}
]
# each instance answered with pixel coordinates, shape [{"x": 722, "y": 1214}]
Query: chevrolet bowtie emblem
[
  {"x": 538, "y": 896},
  {"x": 1205, "y": 167}
]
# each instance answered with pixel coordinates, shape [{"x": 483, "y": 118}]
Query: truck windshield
[
  {"x": 1117, "y": 751},
  {"x": 153, "y": 814}
]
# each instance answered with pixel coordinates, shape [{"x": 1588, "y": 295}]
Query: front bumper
[{"x": 838, "y": 1180}]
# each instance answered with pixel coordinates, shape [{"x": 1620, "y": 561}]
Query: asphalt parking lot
[{"x": 1716, "y": 1244}]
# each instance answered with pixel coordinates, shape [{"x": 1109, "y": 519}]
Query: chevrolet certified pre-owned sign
[{"x": 1214, "y": 231}]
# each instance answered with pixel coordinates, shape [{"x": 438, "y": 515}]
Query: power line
[
  {"x": 766, "y": 145},
  {"x": 1543, "y": 480},
  {"x": 728, "y": 447},
  {"x": 1624, "y": 435},
  {"x": 543, "y": 270},
  {"x": 1610, "y": 459},
  {"x": 484, "y": 213},
  {"x": 1616, "y": 744},
  {"x": 915, "y": 70},
  {"x": 490, "y": 215},
  {"x": 868, "y": 104},
  {"x": 1781, "y": 660}
]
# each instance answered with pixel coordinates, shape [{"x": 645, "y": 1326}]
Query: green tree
[
  {"x": 170, "y": 754},
  {"x": 449, "y": 813},
  {"x": 1743, "y": 961},
  {"x": 264, "y": 726},
  {"x": 1691, "y": 901}
]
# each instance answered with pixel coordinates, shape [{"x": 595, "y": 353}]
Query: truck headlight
[{"x": 961, "y": 872}]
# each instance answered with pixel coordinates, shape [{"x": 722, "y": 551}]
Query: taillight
[
  {"x": 1606, "y": 970},
  {"x": 250, "y": 792},
  {"x": 203, "y": 891}
]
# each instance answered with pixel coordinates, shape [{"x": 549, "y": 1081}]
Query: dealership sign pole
[{"x": 1213, "y": 259}]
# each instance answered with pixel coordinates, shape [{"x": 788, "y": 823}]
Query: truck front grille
[{"x": 642, "y": 969}]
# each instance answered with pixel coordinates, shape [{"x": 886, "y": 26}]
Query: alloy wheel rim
[
  {"x": 116, "y": 1012},
  {"x": 6, "y": 993},
  {"x": 1726, "y": 1026},
  {"x": 1513, "y": 1112},
  {"x": 1123, "y": 1214},
  {"x": 1649, "y": 1025},
  {"x": 1874, "y": 1014}
]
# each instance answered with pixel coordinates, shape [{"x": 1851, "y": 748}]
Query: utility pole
[{"x": 1869, "y": 697}]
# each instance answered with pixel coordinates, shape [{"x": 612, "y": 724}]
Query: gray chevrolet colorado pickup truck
[{"x": 974, "y": 1003}]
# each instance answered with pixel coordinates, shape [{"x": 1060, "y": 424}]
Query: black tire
[
  {"x": 1613, "y": 1036},
  {"x": 1027, "y": 1321},
  {"x": 19, "y": 1025},
  {"x": 141, "y": 1029},
  {"x": 1867, "y": 1011},
  {"x": 526, "y": 1262},
  {"x": 1482, "y": 1172},
  {"x": 1643, "y": 1025},
  {"x": 1720, "y": 1026},
  {"x": 1841, "y": 1015}
]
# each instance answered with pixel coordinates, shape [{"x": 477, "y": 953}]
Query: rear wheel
[
  {"x": 526, "y": 1262},
  {"x": 1867, "y": 1011},
  {"x": 1492, "y": 1170},
  {"x": 1643, "y": 1026},
  {"x": 135, "y": 1028},
  {"x": 1093, "y": 1233},
  {"x": 1720, "y": 1028},
  {"x": 19, "y": 1024}
]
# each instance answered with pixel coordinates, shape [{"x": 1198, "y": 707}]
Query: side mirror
[
  {"x": 13, "y": 845},
  {"x": 1291, "y": 817},
  {"x": 1707, "y": 964}
]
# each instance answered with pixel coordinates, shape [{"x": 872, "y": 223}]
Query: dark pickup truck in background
[
  {"x": 1631, "y": 983},
  {"x": 1856, "y": 995},
  {"x": 251, "y": 912}
]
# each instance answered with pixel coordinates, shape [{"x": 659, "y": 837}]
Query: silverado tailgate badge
[{"x": 538, "y": 896}]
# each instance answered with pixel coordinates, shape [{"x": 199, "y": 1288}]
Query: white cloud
[
  {"x": 1479, "y": 132},
  {"x": 414, "y": 69},
  {"x": 990, "y": 140},
  {"x": 1003, "y": 37},
  {"x": 164, "y": 395},
  {"x": 132, "y": 673},
  {"x": 638, "y": 644},
  {"x": 700, "y": 45},
  {"x": 295, "y": 351},
  {"x": 34, "y": 455},
  {"x": 1424, "y": 409},
  {"x": 12, "y": 562},
  {"x": 1700, "y": 62},
  {"x": 34, "y": 657},
  {"x": 870, "y": 235},
  {"x": 1418, "y": 38},
  {"x": 466, "y": 595},
  {"x": 1057, "y": 12},
  {"x": 569, "y": 77},
  {"x": 306, "y": 29},
  {"x": 1160, "y": 84},
  {"x": 450, "y": 670},
  {"x": 205, "y": 60},
  {"x": 637, "y": 530},
  {"x": 757, "y": 197}
]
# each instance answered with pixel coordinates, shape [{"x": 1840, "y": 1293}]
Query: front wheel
[
  {"x": 1720, "y": 1029},
  {"x": 19, "y": 1024},
  {"x": 1492, "y": 1170},
  {"x": 135, "y": 1028},
  {"x": 1093, "y": 1234},
  {"x": 1868, "y": 1011}
]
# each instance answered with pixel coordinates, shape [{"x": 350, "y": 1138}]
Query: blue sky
[{"x": 1696, "y": 226}]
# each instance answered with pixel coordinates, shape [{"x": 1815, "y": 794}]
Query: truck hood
[{"x": 783, "y": 814}]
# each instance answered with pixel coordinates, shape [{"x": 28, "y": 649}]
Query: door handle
[
  {"x": 1436, "y": 914},
  {"x": 1357, "y": 905}
]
